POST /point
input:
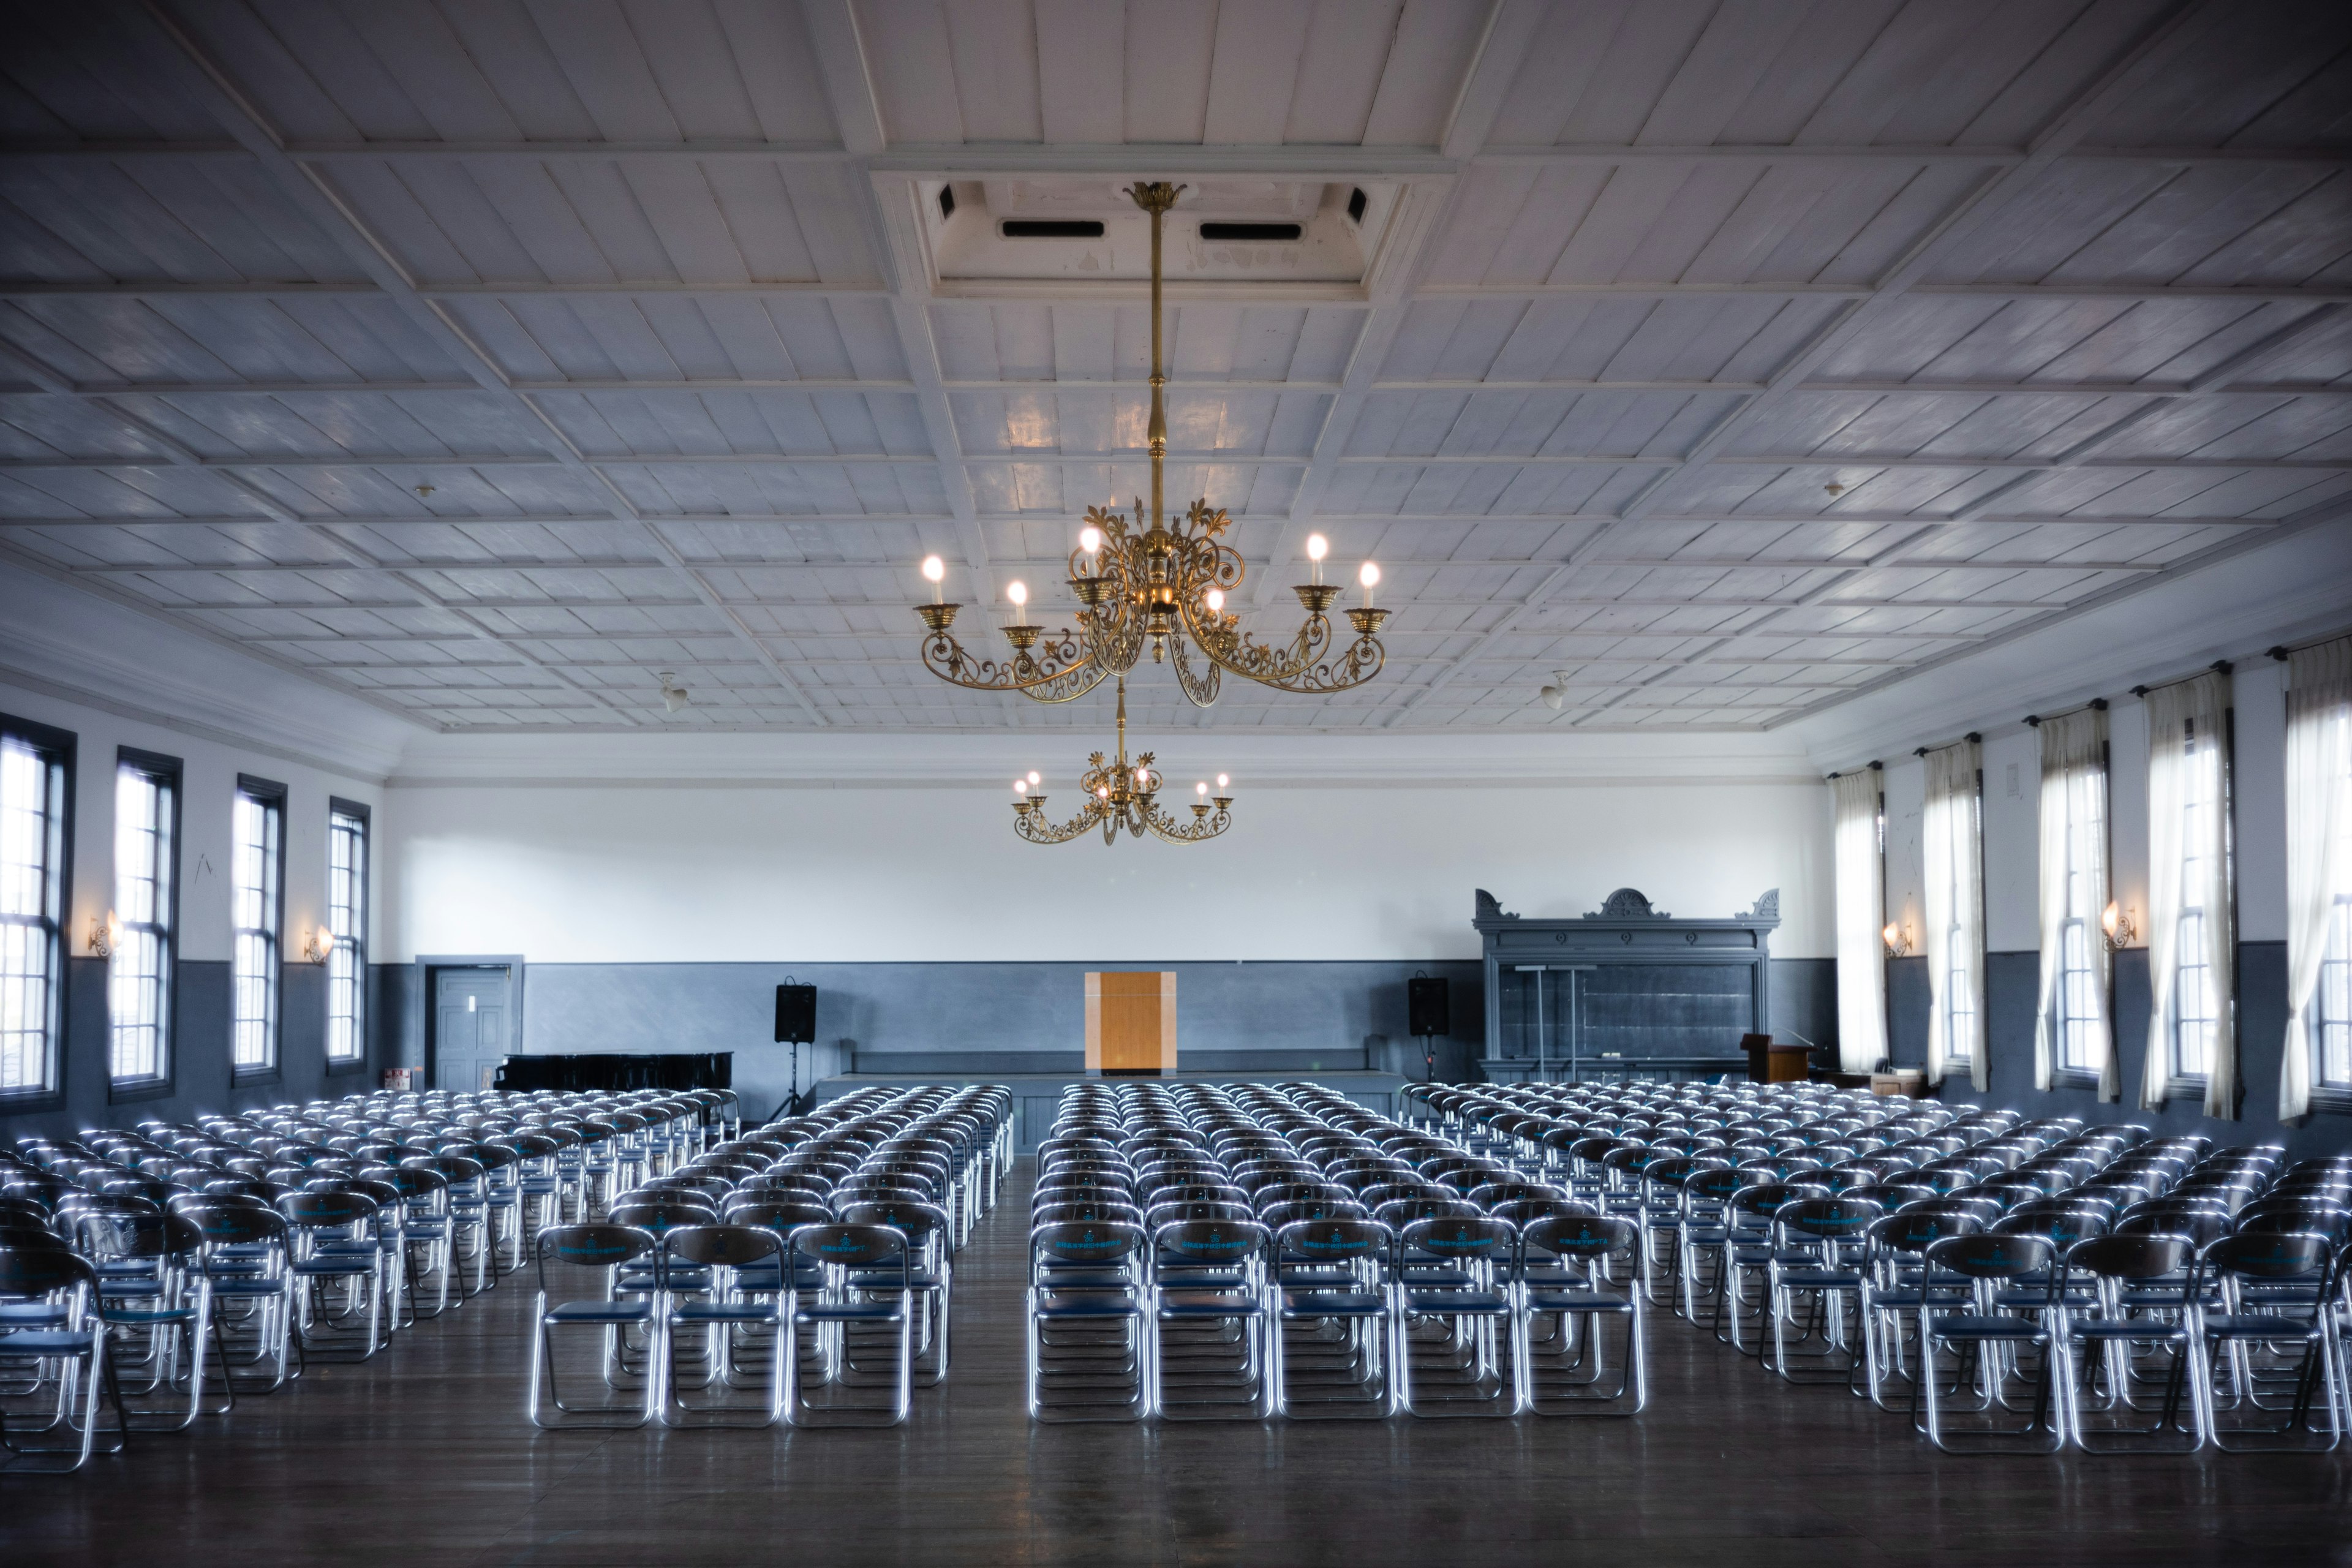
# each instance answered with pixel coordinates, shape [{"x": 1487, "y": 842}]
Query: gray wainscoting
[
  {"x": 2013, "y": 985},
  {"x": 201, "y": 1082}
]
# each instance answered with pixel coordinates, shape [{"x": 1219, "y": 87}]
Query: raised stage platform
[{"x": 1035, "y": 1095}]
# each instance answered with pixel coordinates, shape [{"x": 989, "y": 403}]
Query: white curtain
[
  {"x": 2184, "y": 751},
  {"x": 2074, "y": 799},
  {"x": 2319, "y": 821},
  {"x": 1955, "y": 912},
  {"x": 1861, "y": 902}
]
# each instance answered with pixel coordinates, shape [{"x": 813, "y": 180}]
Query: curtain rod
[
  {"x": 2218, "y": 667},
  {"x": 2095, "y": 705},
  {"x": 1970, "y": 737},
  {"x": 1874, "y": 767}
]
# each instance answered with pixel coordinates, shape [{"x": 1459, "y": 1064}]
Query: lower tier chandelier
[
  {"x": 1122, "y": 795},
  {"x": 1143, "y": 579}
]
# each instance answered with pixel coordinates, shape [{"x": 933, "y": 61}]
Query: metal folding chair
[
  {"x": 599, "y": 1252},
  {"x": 62, "y": 1359},
  {"x": 1565, "y": 1371},
  {"x": 715, "y": 1329},
  {"x": 2116, "y": 1325},
  {"x": 1989, "y": 1344},
  {"x": 1085, "y": 1323},
  {"x": 1455, "y": 1294},
  {"x": 1334, "y": 1332},
  {"x": 860, "y": 1307}
]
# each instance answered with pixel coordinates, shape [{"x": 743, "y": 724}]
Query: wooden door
[{"x": 1132, "y": 1021}]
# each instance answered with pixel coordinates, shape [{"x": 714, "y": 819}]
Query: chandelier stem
[
  {"x": 1156, "y": 433},
  {"x": 1122, "y": 724}
]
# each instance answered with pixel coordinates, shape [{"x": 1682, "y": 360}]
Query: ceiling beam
[
  {"x": 1123, "y": 459},
  {"x": 1055, "y": 564},
  {"x": 1278, "y": 160},
  {"x": 605, "y": 519}
]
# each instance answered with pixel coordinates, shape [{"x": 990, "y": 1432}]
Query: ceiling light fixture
[
  {"x": 1142, "y": 580},
  {"x": 1122, "y": 795},
  {"x": 674, "y": 696},
  {"x": 1555, "y": 695}
]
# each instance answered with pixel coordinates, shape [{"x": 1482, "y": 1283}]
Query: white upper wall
[{"x": 1320, "y": 864}]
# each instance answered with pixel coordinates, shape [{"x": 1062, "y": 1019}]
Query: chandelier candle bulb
[
  {"x": 935, "y": 571},
  {"x": 1370, "y": 576},
  {"x": 1318, "y": 547}
]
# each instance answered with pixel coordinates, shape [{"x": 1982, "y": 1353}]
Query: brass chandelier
[
  {"x": 1163, "y": 583},
  {"x": 1122, "y": 795}
]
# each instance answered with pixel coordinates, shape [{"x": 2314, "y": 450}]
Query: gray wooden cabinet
[{"x": 1627, "y": 991}]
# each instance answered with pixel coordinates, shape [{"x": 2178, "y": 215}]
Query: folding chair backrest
[
  {"x": 1085, "y": 1243},
  {"x": 2132, "y": 1257},
  {"x": 1461, "y": 1237},
  {"x": 850, "y": 1246},
  {"x": 661, "y": 1214},
  {"x": 2267, "y": 1256},
  {"x": 1587, "y": 1236},
  {"x": 1336, "y": 1240},
  {"x": 919, "y": 1222},
  {"x": 1991, "y": 1255},
  {"x": 1216, "y": 1241},
  {"x": 34, "y": 1270},
  {"x": 1829, "y": 1219},
  {"x": 725, "y": 1245}
]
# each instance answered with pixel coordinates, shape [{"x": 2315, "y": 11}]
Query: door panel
[{"x": 472, "y": 1015}]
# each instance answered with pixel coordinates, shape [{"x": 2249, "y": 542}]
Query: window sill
[
  {"x": 246, "y": 1078},
  {"x": 2180, "y": 1088},
  {"x": 33, "y": 1102},
  {"x": 2332, "y": 1102},
  {"x": 2075, "y": 1078},
  {"x": 345, "y": 1068},
  {"x": 132, "y": 1092}
]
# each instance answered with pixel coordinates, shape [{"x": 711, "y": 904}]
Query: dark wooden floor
[{"x": 423, "y": 1457}]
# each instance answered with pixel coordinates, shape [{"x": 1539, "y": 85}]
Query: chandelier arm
[
  {"x": 1306, "y": 665},
  {"x": 1198, "y": 831},
  {"x": 1200, "y": 688},
  {"x": 1056, "y": 657},
  {"x": 1031, "y": 825}
]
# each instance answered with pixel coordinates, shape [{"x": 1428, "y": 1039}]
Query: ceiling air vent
[
  {"x": 1056, "y": 228},
  {"x": 1248, "y": 232}
]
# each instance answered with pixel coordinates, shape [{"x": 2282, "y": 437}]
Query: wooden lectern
[{"x": 1131, "y": 1022}]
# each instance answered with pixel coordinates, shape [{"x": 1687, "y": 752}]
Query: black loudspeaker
[
  {"x": 1425, "y": 1000},
  {"x": 796, "y": 1015}
]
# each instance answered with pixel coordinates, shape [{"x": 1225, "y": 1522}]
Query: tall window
[
  {"x": 35, "y": 765},
  {"x": 2081, "y": 1002},
  {"x": 347, "y": 909},
  {"x": 139, "y": 978},
  {"x": 2198, "y": 1007},
  {"x": 2318, "y": 1042},
  {"x": 256, "y": 916},
  {"x": 1953, "y": 840}
]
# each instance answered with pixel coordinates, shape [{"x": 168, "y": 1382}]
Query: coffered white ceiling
[{"x": 488, "y": 359}]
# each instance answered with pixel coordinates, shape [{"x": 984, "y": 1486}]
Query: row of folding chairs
[
  {"x": 1204, "y": 1252},
  {"x": 801, "y": 1273},
  {"x": 2011, "y": 1283},
  {"x": 151, "y": 1277}
]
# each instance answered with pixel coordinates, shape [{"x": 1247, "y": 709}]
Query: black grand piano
[{"x": 610, "y": 1070}]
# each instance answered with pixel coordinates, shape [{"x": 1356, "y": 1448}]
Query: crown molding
[
  {"x": 2288, "y": 590},
  {"x": 76, "y": 647},
  {"x": 991, "y": 760}
]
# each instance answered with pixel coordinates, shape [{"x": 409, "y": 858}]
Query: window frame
[
  {"x": 2179, "y": 1082},
  {"x": 355, "y": 944},
  {"x": 2335, "y": 1094},
  {"x": 1952, "y": 1063},
  {"x": 271, "y": 797},
  {"x": 58, "y": 747},
  {"x": 172, "y": 773},
  {"x": 2064, "y": 1073}
]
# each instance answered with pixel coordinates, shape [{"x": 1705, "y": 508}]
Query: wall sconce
[
  {"x": 1898, "y": 944},
  {"x": 103, "y": 935},
  {"x": 2117, "y": 923},
  {"x": 318, "y": 945}
]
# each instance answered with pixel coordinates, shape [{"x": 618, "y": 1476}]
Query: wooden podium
[{"x": 1132, "y": 1021}]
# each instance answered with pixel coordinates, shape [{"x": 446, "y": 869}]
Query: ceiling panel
[{"x": 1716, "y": 363}]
